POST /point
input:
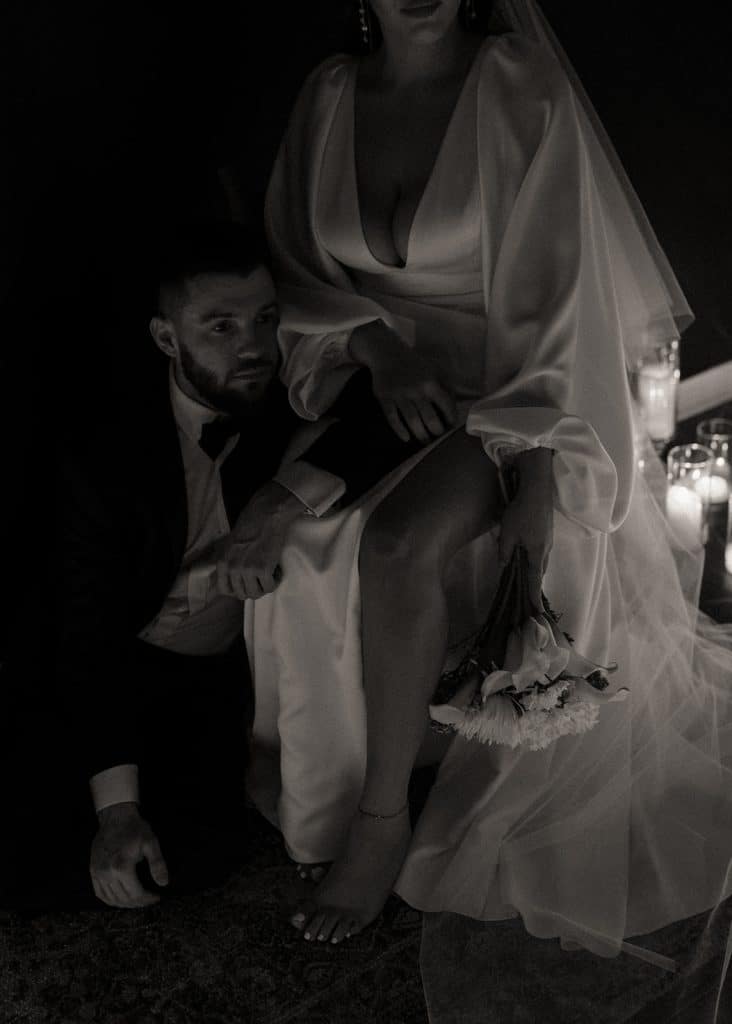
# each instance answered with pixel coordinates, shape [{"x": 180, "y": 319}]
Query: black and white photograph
[{"x": 366, "y": 504}]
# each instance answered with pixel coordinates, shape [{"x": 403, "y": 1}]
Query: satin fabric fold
[{"x": 600, "y": 837}]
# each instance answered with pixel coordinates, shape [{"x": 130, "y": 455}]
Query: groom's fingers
[
  {"x": 223, "y": 580},
  {"x": 232, "y": 584},
  {"x": 269, "y": 580},
  {"x": 133, "y": 893},
  {"x": 100, "y": 889},
  {"x": 156, "y": 862}
]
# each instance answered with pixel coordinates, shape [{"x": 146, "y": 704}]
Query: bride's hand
[
  {"x": 405, "y": 384},
  {"x": 528, "y": 519}
]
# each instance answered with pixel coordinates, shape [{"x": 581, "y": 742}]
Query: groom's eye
[
  {"x": 267, "y": 318},
  {"x": 222, "y": 326}
]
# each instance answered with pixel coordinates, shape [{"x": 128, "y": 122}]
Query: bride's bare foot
[{"x": 357, "y": 886}]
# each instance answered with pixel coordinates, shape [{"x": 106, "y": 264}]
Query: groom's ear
[{"x": 163, "y": 334}]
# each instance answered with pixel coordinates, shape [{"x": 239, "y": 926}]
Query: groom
[{"x": 166, "y": 529}]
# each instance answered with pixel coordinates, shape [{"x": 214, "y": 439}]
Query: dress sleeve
[
  {"x": 554, "y": 345},
  {"x": 320, "y": 306}
]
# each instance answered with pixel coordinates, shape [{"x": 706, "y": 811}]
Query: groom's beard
[{"x": 228, "y": 399}]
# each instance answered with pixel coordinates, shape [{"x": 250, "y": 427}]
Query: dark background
[
  {"x": 120, "y": 115},
  {"x": 117, "y": 117}
]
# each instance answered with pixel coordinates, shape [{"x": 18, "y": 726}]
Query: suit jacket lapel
[
  {"x": 162, "y": 499},
  {"x": 172, "y": 484}
]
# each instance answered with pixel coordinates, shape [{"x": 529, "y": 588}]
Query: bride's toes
[
  {"x": 328, "y": 925},
  {"x": 304, "y": 913},
  {"x": 314, "y": 926},
  {"x": 346, "y": 927}
]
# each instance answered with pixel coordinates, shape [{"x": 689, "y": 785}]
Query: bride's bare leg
[{"x": 450, "y": 498}]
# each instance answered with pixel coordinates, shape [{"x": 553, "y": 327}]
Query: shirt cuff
[
  {"x": 317, "y": 489},
  {"x": 115, "y": 785},
  {"x": 200, "y": 578}
]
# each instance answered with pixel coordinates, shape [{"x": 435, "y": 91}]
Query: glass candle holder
[
  {"x": 688, "y": 471},
  {"x": 716, "y": 435},
  {"x": 656, "y": 386}
]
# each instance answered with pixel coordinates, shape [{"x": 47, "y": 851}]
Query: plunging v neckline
[{"x": 402, "y": 265}]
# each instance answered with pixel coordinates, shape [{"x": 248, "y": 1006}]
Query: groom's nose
[{"x": 260, "y": 341}]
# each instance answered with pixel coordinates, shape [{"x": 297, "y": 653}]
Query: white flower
[
  {"x": 538, "y": 729},
  {"x": 496, "y": 721},
  {"x": 537, "y": 700},
  {"x": 533, "y": 654},
  {"x": 550, "y": 692},
  {"x": 495, "y": 681},
  {"x": 590, "y": 695}
]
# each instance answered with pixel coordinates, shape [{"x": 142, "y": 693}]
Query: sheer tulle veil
[
  {"x": 672, "y": 767},
  {"x": 655, "y": 305}
]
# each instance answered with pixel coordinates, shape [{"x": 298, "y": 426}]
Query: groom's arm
[
  {"x": 94, "y": 645},
  {"x": 348, "y": 458},
  {"x": 95, "y": 673}
]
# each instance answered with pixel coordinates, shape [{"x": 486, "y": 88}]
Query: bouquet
[{"x": 521, "y": 682}]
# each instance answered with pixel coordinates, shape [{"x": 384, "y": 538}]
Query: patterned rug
[{"x": 226, "y": 955}]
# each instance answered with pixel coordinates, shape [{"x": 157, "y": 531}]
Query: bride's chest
[
  {"x": 396, "y": 146},
  {"x": 401, "y": 180}
]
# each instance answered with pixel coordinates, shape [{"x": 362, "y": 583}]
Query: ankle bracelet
[{"x": 382, "y": 817}]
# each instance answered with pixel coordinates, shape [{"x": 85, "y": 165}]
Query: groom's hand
[
  {"x": 123, "y": 840},
  {"x": 248, "y": 560}
]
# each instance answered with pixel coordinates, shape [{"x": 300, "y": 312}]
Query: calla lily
[
  {"x": 532, "y": 654},
  {"x": 522, "y": 682},
  {"x": 592, "y": 695},
  {"x": 499, "y": 680}
]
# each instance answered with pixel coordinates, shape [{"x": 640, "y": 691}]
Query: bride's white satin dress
[{"x": 512, "y": 285}]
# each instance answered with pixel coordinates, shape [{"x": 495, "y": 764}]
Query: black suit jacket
[{"x": 122, "y": 533}]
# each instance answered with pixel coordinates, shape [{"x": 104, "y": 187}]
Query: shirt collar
[{"x": 189, "y": 414}]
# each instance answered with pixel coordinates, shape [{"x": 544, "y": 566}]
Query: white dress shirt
[{"x": 194, "y": 619}]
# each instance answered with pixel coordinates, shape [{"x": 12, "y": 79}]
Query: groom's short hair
[{"x": 216, "y": 248}]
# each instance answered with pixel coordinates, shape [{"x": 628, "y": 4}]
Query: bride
[{"x": 447, "y": 216}]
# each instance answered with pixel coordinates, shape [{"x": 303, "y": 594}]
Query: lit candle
[
  {"x": 728, "y": 558},
  {"x": 685, "y": 511},
  {"x": 657, "y": 397},
  {"x": 714, "y": 489}
]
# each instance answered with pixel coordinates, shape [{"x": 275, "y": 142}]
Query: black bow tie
[{"x": 215, "y": 434}]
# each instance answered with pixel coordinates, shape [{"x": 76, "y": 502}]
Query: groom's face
[{"x": 221, "y": 332}]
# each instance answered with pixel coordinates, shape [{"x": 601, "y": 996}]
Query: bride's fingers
[
  {"x": 394, "y": 420},
  {"x": 430, "y": 418},
  {"x": 445, "y": 405},
  {"x": 410, "y": 413}
]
